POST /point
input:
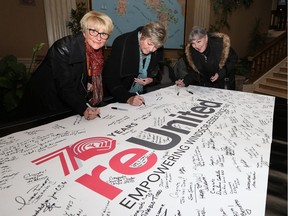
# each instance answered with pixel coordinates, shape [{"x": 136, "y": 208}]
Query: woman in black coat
[
  {"x": 211, "y": 58},
  {"x": 133, "y": 63},
  {"x": 70, "y": 76}
]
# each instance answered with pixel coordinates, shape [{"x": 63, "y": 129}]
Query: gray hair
[
  {"x": 197, "y": 33},
  {"x": 156, "y": 31}
]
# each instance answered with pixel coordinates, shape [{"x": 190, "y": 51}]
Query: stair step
[
  {"x": 283, "y": 69},
  {"x": 270, "y": 92},
  {"x": 275, "y": 206},
  {"x": 278, "y": 177},
  {"x": 276, "y": 80},
  {"x": 282, "y": 75},
  {"x": 273, "y": 87}
]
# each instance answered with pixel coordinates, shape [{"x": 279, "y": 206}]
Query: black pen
[
  {"x": 190, "y": 92},
  {"x": 118, "y": 108},
  {"x": 93, "y": 109},
  {"x": 139, "y": 95},
  {"x": 177, "y": 88}
]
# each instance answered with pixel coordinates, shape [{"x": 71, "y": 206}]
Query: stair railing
[{"x": 268, "y": 57}]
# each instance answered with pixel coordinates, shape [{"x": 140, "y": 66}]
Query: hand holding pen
[
  {"x": 91, "y": 112},
  {"x": 180, "y": 83},
  {"x": 143, "y": 101},
  {"x": 136, "y": 100}
]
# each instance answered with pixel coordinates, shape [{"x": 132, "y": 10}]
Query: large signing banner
[{"x": 189, "y": 151}]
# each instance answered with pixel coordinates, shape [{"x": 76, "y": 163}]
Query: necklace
[
  {"x": 205, "y": 53},
  {"x": 205, "y": 58}
]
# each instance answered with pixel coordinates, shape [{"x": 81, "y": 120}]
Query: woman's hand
[
  {"x": 89, "y": 87},
  {"x": 180, "y": 83},
  {"x": 215, "y": 77},
  {"x": 143, "y": 81},
  {"x": 136, "y": 100},
  {"x": 91, "y": 113}
]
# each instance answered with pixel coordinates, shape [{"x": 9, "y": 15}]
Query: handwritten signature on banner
[{"x": 158, "y": 160}]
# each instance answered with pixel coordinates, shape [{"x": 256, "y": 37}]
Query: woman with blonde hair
[
  {"x": 70, "y": 76},
  {"x": 133, "y": 63}
]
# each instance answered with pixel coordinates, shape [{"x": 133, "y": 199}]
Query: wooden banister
[{"x": 268, "y": 57}]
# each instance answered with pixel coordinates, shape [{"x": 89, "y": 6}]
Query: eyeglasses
[{"x": 95, "y": 33}]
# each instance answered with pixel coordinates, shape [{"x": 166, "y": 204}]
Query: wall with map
[{"x": 127, "y": 15}]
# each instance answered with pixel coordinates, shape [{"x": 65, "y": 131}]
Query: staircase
[
  {"x": 274, "y": 82},
  {"x": 269, "y": 76}
]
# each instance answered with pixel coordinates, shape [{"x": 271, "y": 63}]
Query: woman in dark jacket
[
  {"x": 211, "y": 58},
  {"x": 70, "y": 75},
  {"x": 133, "y": 63}
]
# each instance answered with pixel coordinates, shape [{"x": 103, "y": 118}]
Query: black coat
[
  {"x": 60, "y": 81},
  {"x": 206, "y": 64},
  {"x": 123, "y": 66}
]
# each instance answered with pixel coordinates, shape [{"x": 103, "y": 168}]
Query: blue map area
[{"x": 127, "y": 15}]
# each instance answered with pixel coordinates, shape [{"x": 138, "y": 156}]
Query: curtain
[
  {"x": 202, "y": 13},
  {"x": 57, "y": 15}
]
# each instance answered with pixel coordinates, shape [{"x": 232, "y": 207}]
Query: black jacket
[
  {"x": 60, "y": 81},
  {"x": 123, "y": 66},
  {"x": 219, "y": 57}
]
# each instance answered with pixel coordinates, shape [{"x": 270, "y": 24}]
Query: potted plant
[
  {"x": 13, "y": 79},
  {"x": 242, "y": 71},
  {"x": 223, "y": 9},
  {"x": 75, "y": 17}
]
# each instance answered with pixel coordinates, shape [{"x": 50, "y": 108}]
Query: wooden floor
[{"x": 276, "y": 204}]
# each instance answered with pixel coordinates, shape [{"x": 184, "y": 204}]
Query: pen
[
  {"x": 177, "y": 89},
  {"x": 117, "y": 108},
  {"x": 190, "y": 92},
  {"x": 92, "y": 108},
  {"x": 139, "y": 95}
]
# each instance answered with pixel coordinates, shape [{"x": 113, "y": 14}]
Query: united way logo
[{"x": 71, "y": 156}]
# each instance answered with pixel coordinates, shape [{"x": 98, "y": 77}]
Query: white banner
[{"x": 188, "y": 151}]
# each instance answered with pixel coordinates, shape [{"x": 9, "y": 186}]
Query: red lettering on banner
[
  {"x": 59, "y": 153},
  {"x": 87, "y": 148},
  {"x": 83, "y": 149},
  {"x": 126, "y": 168},
  {"x": 94, "y": 183}
]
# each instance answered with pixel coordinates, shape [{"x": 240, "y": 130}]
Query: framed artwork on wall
[{"x": 127, "y": 16}]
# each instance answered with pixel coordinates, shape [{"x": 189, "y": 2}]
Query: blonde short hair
[
  {"x": 156, "y": 31},
  {"x": 97, "y": 19}
]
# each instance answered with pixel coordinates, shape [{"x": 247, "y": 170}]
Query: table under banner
[{"x": 187, "y": 151}]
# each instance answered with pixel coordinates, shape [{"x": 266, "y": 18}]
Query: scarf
[
  {"x": 95, "y": 62},
  {"x": 142, "y": 70}
]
